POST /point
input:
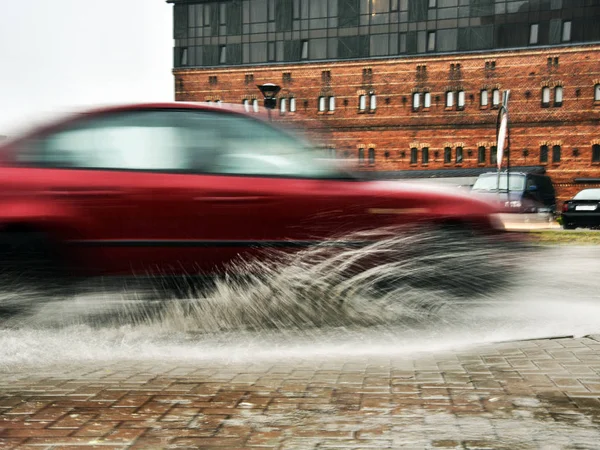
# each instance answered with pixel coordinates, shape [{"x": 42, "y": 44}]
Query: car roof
[{"x": 61, "y": 118}]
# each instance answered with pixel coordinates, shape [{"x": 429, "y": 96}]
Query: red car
[{"x": 180, "y": 188}]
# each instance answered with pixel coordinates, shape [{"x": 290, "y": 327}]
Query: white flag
[{"x": 501, "y": 139}]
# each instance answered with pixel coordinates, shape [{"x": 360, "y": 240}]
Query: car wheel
[
  {"x": 569, "y": 226},
  {"x": 29, "y": 259}
]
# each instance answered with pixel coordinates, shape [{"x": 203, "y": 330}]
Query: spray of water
[{"x": 402, "y": 277}]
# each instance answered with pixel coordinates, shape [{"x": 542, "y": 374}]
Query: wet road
[{"x": 440, "y": 380}]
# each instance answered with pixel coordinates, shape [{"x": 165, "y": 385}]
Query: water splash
[{"x": 402, "y": 278}]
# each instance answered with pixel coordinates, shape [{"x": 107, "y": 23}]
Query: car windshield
[
  {"x": 588, "y": 194},
  {"x": 491, "y": 183}
]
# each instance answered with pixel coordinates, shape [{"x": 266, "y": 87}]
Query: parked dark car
[
  {"x": 583, "y": 210},
  {"x": 527, "y": 193},
  {"x": 181, "y": 188}
]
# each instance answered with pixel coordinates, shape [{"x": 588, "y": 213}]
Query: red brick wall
[{"x": 394, "y": 127}]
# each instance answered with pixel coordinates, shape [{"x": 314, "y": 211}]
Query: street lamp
[{"x": 269, "y": 91}]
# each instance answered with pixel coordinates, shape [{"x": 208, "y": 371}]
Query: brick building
[{"x": 411, "y": 88}]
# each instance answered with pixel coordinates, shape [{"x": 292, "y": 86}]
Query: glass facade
[{"x": 238, "y": 32}]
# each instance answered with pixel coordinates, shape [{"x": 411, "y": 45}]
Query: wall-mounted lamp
[{"x": 525, "y": 153}]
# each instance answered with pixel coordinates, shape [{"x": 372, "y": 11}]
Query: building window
[
  {"x": 246, "y": 104},
  {"x": 597, "y": 93},
  {"x": 249, "y": 78},
  {"x": 447, "y": 155},
  {"x": 544, "y": 154},
  {"x": 372, "y": 102},
  {"x": 431, "y": 41},
  {"x": 371, "y": 156},
  {"x": 282, "y": 105},
  {"x": 362, "y": 102},
  {"x": 596, "y": 153},
  {"x": 460, "y": 100},
  {"x": 321, "y": 104},
  {"x": 223, "y": 14},
  {"x": 212, "y": 80},
  {"x": 425, "y": 155},
  {"x": 416, "y": 101},
  {"x": 414, "y": 155},
  {"x": 293, "y": 104},
  {"x": 223, "y": 54},
  {"x": 459, "y": 155},
  {"x": 483, "y": 96},
  {"x": 304, "y": 50},
  {"x": 493, "y": 155},
  {"x": 255, "y": 105},
  {"x": 361, "y": 156},
  {"x": 481, "y": 155},
  {"x": 566, "y": 31},
  {"x": 427, "y": 100},
  {"x": 183, "y": 56},
  {"x": 332, "y": 103},
  {"x": 533, "y": 33},
  {"x": 556, "y": 153},
  {"x": 449, "y": 99},
  {"x": 286, "y": 77},
  {"x": 558, "y": 96},
  {"x": 496, "y": 98},
  {"x": 432, "y": 3},
  {"x": 326, "y": 76},
  {"x": 545, "y": 97}
]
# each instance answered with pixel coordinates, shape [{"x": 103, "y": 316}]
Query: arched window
[
  {"x": 246, "y": 104},
  {"x": 416, "y": 104},
  {"x": 544, "y": 154},
  {"x": 484, "y": 99},
  {"x": 361, "y": 155},
  {"x": 481, "y": 155},
  {"x": 459, "y": 155},
  {"x": 282, "y": 105},
  {"x": 545, "y": 97},
  {"x": 372, "y": 102},
  {"x": 321, "y": 104},
  {"x": 255, "y": 105},
  {"x": 596, "y": 153},
  {"x": 362, "y": 102},
  {"x": 425, "y": 155},
  {"x": 332, "y": 103},
  {"x": 427, "y": 100},
  {"x": 293, "y": 104},
  {"x": 493, "y": 155},
  {"x": 558, "y": 96},
  {"x": 597, "y": 92},
  {"x": 460, "y": 100},
  {"x": 371, "y": 156},
  {"x": 449, "y": 99},
  {"x": 414, "y": 155},
  {"x": 496, "y": 98},
  {"x": 556, "y": 153},
  {"x": 447, "y": 155}
]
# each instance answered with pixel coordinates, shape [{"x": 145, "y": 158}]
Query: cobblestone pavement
[{"x": 517, "y": 395}]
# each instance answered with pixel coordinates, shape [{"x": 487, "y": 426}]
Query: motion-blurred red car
[{"x": 180, "y": 188}]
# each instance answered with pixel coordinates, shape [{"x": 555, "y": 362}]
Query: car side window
[
  {"x": 250, "y": 147},
  {"x": 146, "y": 140}
]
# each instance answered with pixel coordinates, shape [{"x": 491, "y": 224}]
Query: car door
[{"x": 244, "y": 196}]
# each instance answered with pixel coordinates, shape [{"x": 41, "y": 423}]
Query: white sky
[{"x": 60, "y": 54}]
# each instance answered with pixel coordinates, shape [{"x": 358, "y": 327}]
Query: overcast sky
[{"x": 60, "y": 54}]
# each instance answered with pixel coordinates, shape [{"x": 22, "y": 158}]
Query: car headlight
[{"x": 513, "y": 204}]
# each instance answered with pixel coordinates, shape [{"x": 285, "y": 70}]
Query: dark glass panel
[
  {"x": 353, "y": 47},
  {"x": 512, "y": 35},
  {"x": 446, "y": 40},
  {"x": 180, "y": 22},
  {"x": 348, "y": 13},
  {"x": 234, "y": 17},
  {"x": 481, "y": 8},
  {"x": 211, "y": 55},
  {"x": 417, "y": 10},
  {"x": 283, "y": 15}
]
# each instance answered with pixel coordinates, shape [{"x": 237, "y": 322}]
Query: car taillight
[{"x": 565, "y": 207}]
